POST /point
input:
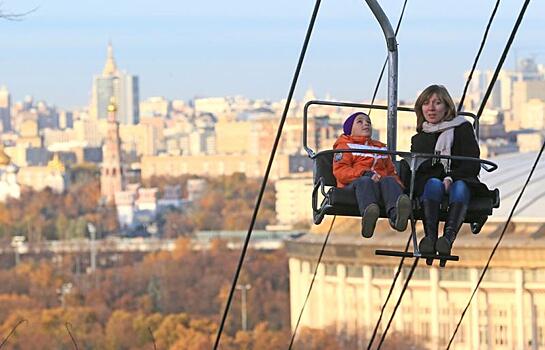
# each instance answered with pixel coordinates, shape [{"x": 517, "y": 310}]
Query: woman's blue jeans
[{"x": 435, "y": 189}]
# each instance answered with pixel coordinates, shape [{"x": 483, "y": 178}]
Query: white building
[
  {"x": 508, "y": 311},
  {"x": 9, "y": 188},
  {"x": 293, "y": 200}
]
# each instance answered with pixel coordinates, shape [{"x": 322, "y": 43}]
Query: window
[
  {"x": 499, "y": 275},
  {"x": 500, "y": 334},
  {"x": 354, "y": 271},
  {"x": 382, "y": 272},
  {"x": 444, "y": 332},
  {"x": 425, "y": 330},
  {"x": 418, "y": 274},
  {"x": 534, "y": 275},
  {"x": 454, "y": 274},
  {"x": 483, "y": 334},
  {"x": 330, "y": 270}
]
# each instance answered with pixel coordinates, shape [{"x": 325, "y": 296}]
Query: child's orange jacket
[{"x": 347, "y": 167}]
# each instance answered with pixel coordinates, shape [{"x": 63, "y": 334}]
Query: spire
[{"x": 110, "y": 68}]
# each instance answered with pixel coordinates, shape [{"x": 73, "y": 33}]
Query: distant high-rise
[
  {"x": 5, "y": 109},
  {"x": 120, "y": 85}
]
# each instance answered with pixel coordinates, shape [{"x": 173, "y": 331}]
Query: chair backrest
[{"x": 323, "y": 168}]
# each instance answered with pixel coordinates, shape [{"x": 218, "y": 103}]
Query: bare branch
[
  {"x": 12, "y": 331},
  {"x": 152, "y": 338},
  {"x": 68, "y": 325},
  {"x": 10, "y": 16}
]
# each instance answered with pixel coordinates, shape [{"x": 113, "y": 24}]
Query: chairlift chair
[{"x": 342, "y": 201}]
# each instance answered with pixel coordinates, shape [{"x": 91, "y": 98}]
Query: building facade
[
  {"x": 213, "y": 165},
  {"x": 507, "y": 312}
]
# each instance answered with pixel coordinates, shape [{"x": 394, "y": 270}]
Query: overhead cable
[{"x": 267, "y": 171}]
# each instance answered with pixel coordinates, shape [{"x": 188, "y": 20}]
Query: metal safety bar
[{"x": 311, "y": 152}]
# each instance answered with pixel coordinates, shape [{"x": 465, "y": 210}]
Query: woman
[
  {"x": 441, "y": 131},
  {"x": 372, "y": 176}
]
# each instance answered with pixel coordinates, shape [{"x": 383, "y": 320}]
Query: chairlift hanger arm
[{"x": 391, "y": 44}]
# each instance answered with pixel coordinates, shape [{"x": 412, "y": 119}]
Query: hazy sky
[{"x": 182, "y": 49}]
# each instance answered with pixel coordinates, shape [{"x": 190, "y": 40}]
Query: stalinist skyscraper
[
  {"x": 111, "y": 174},
  {"x": 120, "y": 85}
]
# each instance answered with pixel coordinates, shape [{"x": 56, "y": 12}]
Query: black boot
[
  {"x": 455, "y": 219},
  {"x": 431, "y": 224},
  {"x": 399, "y": 215},
  {"x": 369, "y": 220}
]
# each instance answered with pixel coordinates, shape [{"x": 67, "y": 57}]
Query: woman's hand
[
  {"x": 447, "y": 181},
  {"x": 375, "y": 177}
]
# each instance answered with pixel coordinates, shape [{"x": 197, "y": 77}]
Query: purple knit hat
[{"x": 347, "y": 125}]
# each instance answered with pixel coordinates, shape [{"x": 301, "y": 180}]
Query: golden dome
[
  {"x": 112, "y": 106},
  {"x": 56, "y": 164},
  {"x": 4, "y": 158}
]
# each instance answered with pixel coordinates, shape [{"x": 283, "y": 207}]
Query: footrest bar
[{"x": 411, "y": 255}]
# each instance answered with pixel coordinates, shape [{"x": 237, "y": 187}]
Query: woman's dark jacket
[{"x": 464, "y": 144}]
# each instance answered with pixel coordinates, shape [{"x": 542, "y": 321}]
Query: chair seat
[{"x": 343, "y": 202}]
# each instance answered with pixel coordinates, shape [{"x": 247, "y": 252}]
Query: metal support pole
[
  {"x": 243, "y": 288},
  {"x": 92, "y": 233},
  {"x": 391, "y": 44}
]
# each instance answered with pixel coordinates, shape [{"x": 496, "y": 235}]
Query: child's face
[{"x": 362, "y": 126}]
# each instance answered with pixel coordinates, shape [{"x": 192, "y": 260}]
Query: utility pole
[
  {"x": 93, "y": 249},
  {"x": 244, "y": 289},
  {"x": 18, "y": 244}
]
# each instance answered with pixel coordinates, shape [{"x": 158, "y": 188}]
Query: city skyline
[{"x": 183, "y": 50}]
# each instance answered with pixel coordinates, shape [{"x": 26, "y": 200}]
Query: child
[{"x": 372, "y": 176}]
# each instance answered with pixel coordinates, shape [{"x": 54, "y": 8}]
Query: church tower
[{"x": 111, "y": 175}]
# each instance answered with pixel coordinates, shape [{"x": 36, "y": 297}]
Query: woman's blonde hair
[{"x": 443, "y": 94}]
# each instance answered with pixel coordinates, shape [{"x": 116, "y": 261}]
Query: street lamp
[
  {"x": 65, "y": 289},
  {"x": 18, "y": 245},
  {"x": 93, "y": 233},
  {"x": 244, "y": 289}
]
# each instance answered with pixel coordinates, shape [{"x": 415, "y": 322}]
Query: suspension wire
[
  {"x": 268, "y": 170},
  {"x": 389, "y": 295},
  {"x": 386, "y": 60},
  {"x": 311, "y": 283},
  {"x": 497, "y": 244},
  {"x": 503, "y": 57},
  {"x": 481, "y": 109},
  {"x": 485, "y": 36},
  {"x": 415, "y": 263}
]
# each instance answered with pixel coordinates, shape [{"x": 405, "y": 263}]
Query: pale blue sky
[{"x": 183, "y": 49}]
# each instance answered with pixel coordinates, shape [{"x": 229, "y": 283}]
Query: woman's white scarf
[{"x": 446, "y": 138}]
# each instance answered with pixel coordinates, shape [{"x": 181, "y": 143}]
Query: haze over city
[{"x": 185, "y": 49}]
